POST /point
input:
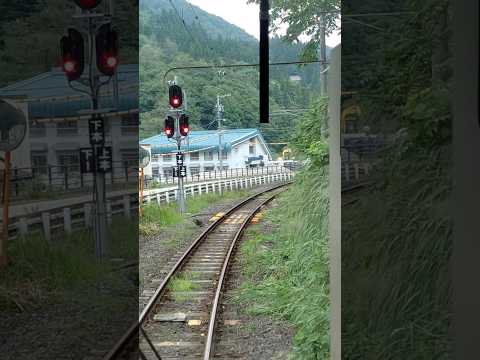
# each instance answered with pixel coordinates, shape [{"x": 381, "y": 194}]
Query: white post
[
  {"x": 167, "y": 197},
  {"x": 159, "y": 199},
  {"x": 109, "y": 212},
  {"x": 67, "y": 220},
  {"x": 199, "y": 189},
  {"x": 357, "y": 172},
  {"x": 23, "y": 226},
  {"x": 87, "y": 214},
  {"x": 46, "y": 225},
  {"x": 347, "y": 172},
  {"x": 126, "y": 206}
]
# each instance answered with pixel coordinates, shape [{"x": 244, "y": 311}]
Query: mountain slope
[
  {"x": 167, "y": 42},
  {"x": 191, "y": 14}
]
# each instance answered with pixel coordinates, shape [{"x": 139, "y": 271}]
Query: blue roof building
[
  {"x": 240, "y": 147},
  {"x": 58, "y": 129}
]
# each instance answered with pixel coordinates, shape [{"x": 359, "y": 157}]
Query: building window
[
  {"x": 156, "y": 157},
  {"x": 129, "y": 158},
  {"x": 194, "y": 170},
  {"x": 39, "y": 162},
  {"x": 167, "y": 158},
  {"x": 208, "y": 155},
  {"x": 224, "y": 155},
  {"x": 37, "y": 129},
  {"x": 67, "y": 128},
  {"x": 68, "y": 160},
  {"x": 167, "y": 172},
  {"x": 155, "y": 171},
  {"x": 195, "y": 156},
  {"x": 251, "y": 147},
  {"x": 130, "y": 124},
  {"x": 208, "y": 168}
]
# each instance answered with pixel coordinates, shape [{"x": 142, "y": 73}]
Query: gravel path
[{"x": 156, "y": 252}]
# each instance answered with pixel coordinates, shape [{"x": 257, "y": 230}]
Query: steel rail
[
  {"x": 132, "y": 330},
  {"x": 213, "y": 315}
]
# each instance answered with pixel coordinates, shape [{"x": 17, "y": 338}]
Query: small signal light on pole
[
  {"x": 184, "y": 129},
  {"x": 169, "y": 128},
  {"x": 107, "y": 50},
  {"x": 175, "y": 96},
  {"x": 88, "y": 4},
  {"x": 72, "y": 49}
]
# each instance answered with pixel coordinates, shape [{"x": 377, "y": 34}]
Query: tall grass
[
  {"x": 396, "y": 283},
  {"x": 40, "y": 269},
  {"x": 156, "y": 217},
  {"x": 287, "y": 270}
]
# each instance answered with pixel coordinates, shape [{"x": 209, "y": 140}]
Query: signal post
[
  {"x": 102, "y": 42},
  {"x": 178, "y": 129}
]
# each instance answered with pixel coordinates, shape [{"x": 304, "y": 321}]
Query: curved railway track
[{"x": 179, "y": 321}]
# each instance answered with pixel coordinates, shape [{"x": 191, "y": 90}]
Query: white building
[
  {"x": 57, "y": 129},
  {"x": 241, "y": 148}
]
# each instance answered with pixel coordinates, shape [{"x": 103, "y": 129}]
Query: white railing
[
  {"x": 170, "y": 194},
  {"x": 353, "y": 171},
  {"x": 50, "y": 219}
]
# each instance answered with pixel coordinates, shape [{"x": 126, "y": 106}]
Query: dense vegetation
[
  {"x": 397, "y": 240},
  {"x": 166, "y": 42},
  {"x": 288, "y": 270}
]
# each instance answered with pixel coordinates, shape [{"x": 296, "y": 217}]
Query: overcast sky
[{"x": 245, "y": 16}]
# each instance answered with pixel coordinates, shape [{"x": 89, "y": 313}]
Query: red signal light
[
  {"x": 175, "y": 96},
  {"x": 88, "y": 4},
  {"x": 169, "y": 128},
  {"x": 72, "y": 48},
  {"x": 184, "y": 129},
  {"x": 107, "y": 50}
]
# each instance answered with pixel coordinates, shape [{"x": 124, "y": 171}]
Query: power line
[{"x": 183, "y": 22}]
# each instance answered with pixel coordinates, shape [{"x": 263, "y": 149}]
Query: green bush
[{"x": 287, "y": 271}]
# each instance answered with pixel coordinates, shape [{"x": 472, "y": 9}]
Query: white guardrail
[
  {"x": 57, "y": 217},
  {"x": 355, "y": 171}
]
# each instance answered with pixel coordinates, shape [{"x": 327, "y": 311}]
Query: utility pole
[
  {"x": 220, "y": 119},
  {"x": 219, "y": 129},
  {"x": 323, "y": 56}
]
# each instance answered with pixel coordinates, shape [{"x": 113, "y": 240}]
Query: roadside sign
[
  {"x": 96, "y": 131},
  {"x": 104, "y": 159},
  {"x": 180, "y": 171},
  {"x": 87, "y": 161},
  {"x": 179, "y": 159}
]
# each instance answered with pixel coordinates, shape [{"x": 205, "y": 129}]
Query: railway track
[{"x": 179, "y": 320}]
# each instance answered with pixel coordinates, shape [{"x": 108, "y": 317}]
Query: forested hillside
[{"x": 182, "y": 35}]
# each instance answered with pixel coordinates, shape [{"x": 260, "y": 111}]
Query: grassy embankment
[
  {"x": 159, "y": 217},
  {"x": 398, "y": 242},
  {"x": 286, "y": 270},
  {"x": 41, "y": 271}
]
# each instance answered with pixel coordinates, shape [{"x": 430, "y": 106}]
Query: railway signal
[
  {"x": 73, "y": 60},
  {"x": 169, "y": 128},
  {"x": 107, "y": 50},
  {"x": 175, "y": 96},
  {"x": 88, "y": 4},
  {"x": 183, "y": 126}
]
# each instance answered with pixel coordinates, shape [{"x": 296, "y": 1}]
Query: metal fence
[
  {"x": 161, "y": 180},
  {"x": 30, "y": 181}
]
